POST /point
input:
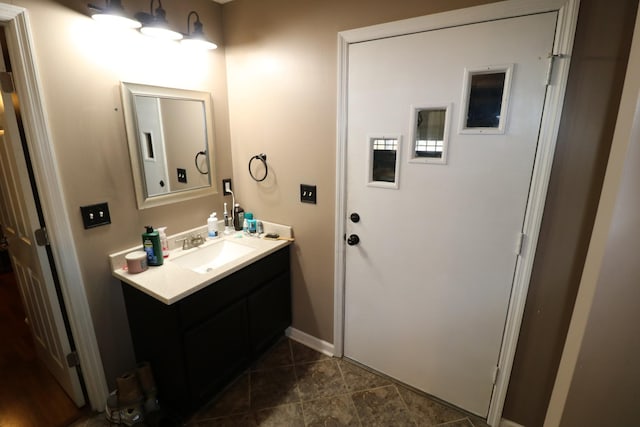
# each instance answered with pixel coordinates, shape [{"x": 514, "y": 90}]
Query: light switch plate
[
  {"x": 308, "y": 193},
  {"x": 182, "y": 175},
  {"x": 95, "y": 215}
]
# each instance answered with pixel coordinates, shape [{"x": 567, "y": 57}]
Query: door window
[
  {"x": 430, "y": 134},
  {"x": 485, "y": 98},
  {"x": 384, "y": 161}
]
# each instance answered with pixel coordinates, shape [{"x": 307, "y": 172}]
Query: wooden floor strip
[{"x": 29, "y": 394}]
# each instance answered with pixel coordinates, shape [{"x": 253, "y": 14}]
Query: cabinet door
[
  {"x": 269, "y": 312},
  {"x": 216, "y": 350}
]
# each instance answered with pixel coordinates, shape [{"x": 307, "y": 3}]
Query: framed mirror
[{"x": 171, "y": 144}]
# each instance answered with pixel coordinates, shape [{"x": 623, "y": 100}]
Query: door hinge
[
  {"x": 73, "y": 360},
  {"x": 6, "y": 82},
  {"x": 496, "y": 371},
  {"x": 552, "y": 59},
  {"x": 519, "y": 243},
  {"x": 42, "y": 238}
]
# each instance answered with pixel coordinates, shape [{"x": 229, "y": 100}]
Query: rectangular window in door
[
  {"x": 485, "y": 99},
  {"x": 429, "y": 134},
  {"x": 384, "y": 162}
]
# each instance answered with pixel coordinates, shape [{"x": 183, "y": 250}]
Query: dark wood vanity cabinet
[{"x": 199, "y": 344}]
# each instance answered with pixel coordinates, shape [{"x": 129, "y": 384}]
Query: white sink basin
[{"x": 204, "y": 259}]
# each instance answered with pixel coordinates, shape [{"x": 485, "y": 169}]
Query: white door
[
  {"x": 427, "y": 287},
  {"x": 152, "y": 147},
  {"x": 19, "y": 217}
]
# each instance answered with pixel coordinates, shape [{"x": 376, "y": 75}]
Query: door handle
[{"x": 353, "y": 240}]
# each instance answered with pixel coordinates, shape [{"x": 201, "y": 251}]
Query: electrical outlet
[
  {"x": 308, "y": 193},
  {"x": 95, "y": 215},
  {"x": 226, "y": 187},
  {"x": 182, "y": 175}
]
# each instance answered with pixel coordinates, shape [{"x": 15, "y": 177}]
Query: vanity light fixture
[
  {"x": 155, "y": 24},
  {"x": 196, "y": 38},
  {"x": 113, "y": 14}
]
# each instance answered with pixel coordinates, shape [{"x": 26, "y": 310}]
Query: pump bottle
[
  {"x": 164, "y": 242},
  {"x": 152, "y": 246},
  {"x": 212, "y": 226}
]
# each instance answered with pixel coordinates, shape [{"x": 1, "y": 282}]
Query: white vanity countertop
[{"x": 170, "y": 282}]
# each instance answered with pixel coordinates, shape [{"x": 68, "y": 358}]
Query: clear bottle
[
  {"x": 228, "y": 228},
  {"x": 164, "y": 242},
  {"x": 212, "y": 226},
  {"x": 249, "y": 223},
  {"x": 252, "y": 223}
]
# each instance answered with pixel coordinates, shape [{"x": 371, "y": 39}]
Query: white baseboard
[
  {"x": 508, "y": 423},
  {"x": 310, "y": 341}
]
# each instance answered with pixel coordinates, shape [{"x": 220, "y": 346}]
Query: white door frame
[
  {"x": 45, "y": 168},
  {"x": 567, "y": 20}
]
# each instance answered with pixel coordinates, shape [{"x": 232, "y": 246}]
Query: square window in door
[
  {"x": 384, "y": 162},
  {"x": 485, "y": 97},
  {"x": 429, "y": 134}
]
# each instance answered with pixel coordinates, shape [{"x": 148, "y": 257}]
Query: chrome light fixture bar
[
  {"x": 155, "y": 23},
  {"x": 196, "y": 38},
  {"x": 113, "y": 14}
]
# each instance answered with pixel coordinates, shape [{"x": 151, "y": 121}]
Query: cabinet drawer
[{"x": 198, "y": 307}]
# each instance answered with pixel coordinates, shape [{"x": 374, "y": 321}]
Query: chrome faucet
[{"x": 191, "y": 241}]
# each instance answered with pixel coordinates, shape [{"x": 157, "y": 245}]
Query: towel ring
[
  {"x": 201, "y": 153},
  {"x": 263, "y": 158}
]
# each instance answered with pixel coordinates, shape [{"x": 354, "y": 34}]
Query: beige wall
[
  {"x": 282, "y": 77},
  {"x": 607, "y": 370},
  {"x": 596, "y": 77},
  {"x": 599, "y": 373},
  {"x": 80, "y": 66},
  {"x": 282, "y": 68},
  {"x": 185, "y": 134}
]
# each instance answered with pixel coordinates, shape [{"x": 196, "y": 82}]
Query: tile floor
[{"x": 293, "y": 385}]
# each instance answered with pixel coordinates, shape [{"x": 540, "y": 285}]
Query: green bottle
[{"x": 151, "y": 245}]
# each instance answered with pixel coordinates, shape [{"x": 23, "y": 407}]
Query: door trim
[
  {"x": 554, "y": 100},
  {"x": 47, "y": 177}
]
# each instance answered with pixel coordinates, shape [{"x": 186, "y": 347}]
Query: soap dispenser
[
  {"x": 164, "y": 242},
  {"x": 212, "y": 226}
]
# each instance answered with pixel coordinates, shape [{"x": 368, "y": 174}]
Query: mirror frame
[{"x": 128, "y": 91}]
